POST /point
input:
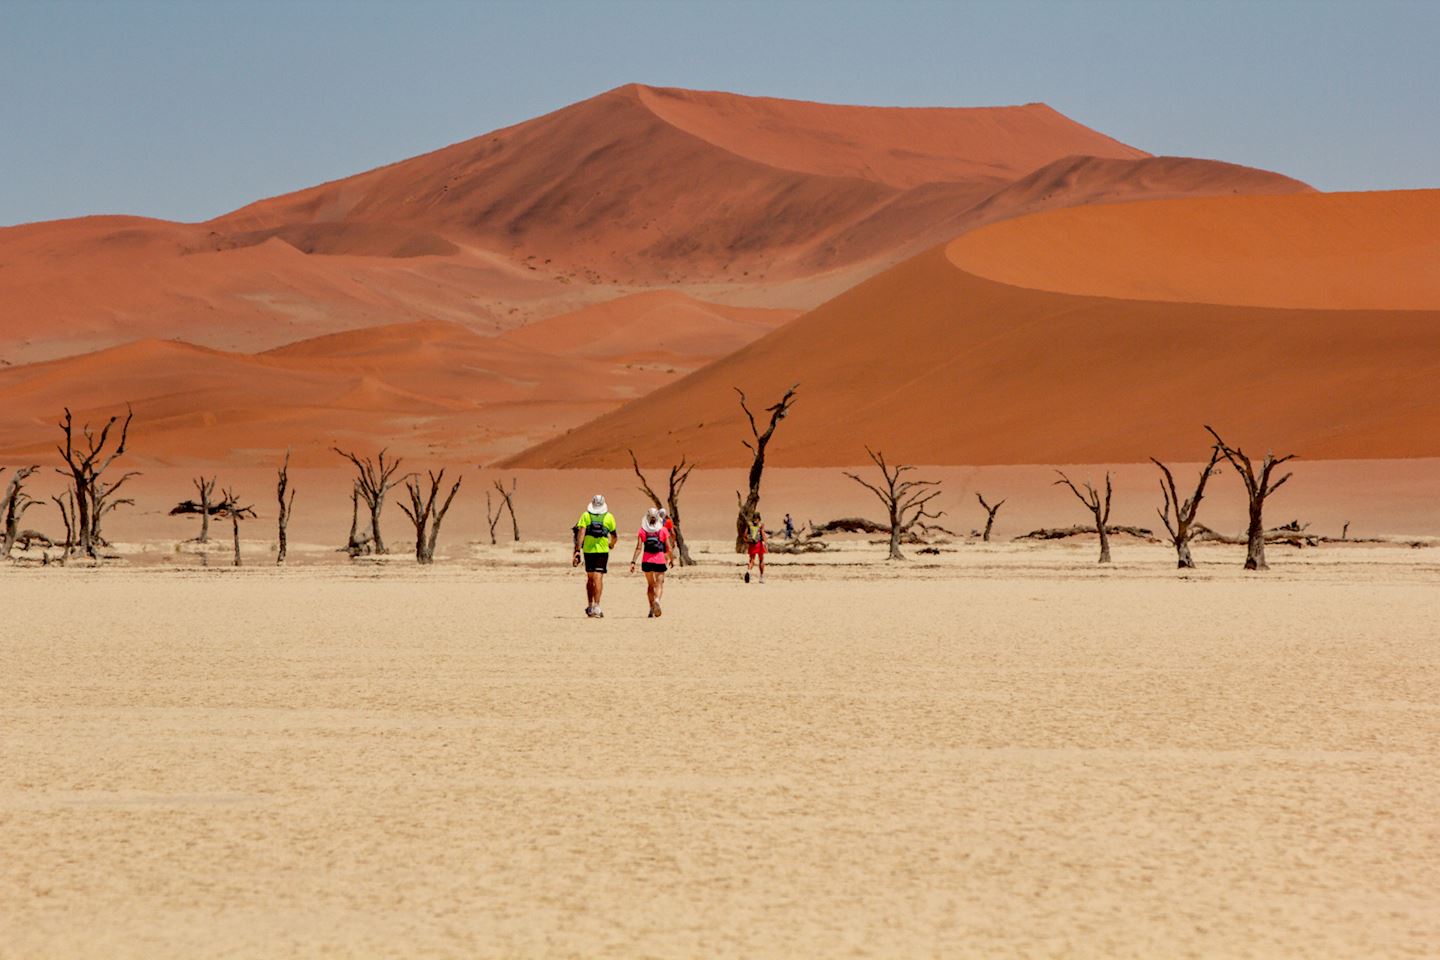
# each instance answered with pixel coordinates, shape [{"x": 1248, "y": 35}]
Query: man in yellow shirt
[{"x": 595, "y": 535}]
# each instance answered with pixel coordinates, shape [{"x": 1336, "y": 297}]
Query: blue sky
[{"x": 184, "y": 109}]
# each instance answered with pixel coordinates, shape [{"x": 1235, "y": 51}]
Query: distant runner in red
[{"x": 755, "y": 537}]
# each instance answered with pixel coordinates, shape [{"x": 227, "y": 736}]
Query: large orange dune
[
  {"x": 748, "y": 201},
  {"x": 1328, "y": 251},
  {"x": 424, "y": 388},
  {"x": 935, "y": 361}
]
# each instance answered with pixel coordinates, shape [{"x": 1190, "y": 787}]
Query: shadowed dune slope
[{"x": 936, "y": 364}]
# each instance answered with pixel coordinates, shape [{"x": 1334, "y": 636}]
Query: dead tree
[
  {"x": 84, "y": 466},
  {"x": 508, "y": 502},
  {"x": 357, "y": 544},
  {"x": 493, "y": 519},
  {"x": 750, "y": 504},
  {"x": 103, "y": 502},
  {"x": 67, "y": 517},
  {"x": 1258, "y": 487},
  {"x": 426, "y": 515},
  {"x": 373, "y": 480},
  {"x": 1181, "y": 529},
  {"x": 679, "y": 474},
  {"x": 13, "y": 506},
  {"x": 206, "y": 489},
  {"x": 232, "y": 508},
  {"x": 287, "y": 503},
  {"x": 904, "y": 500},
  {"x": 1091, "y": 499},
  {"x": 989, "y": 515}
]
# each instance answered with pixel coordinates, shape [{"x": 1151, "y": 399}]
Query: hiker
[
  {"x": 670, "y": 529},
  {"x": 654, "y": 548},
  {"x": 594, "y": 537},
  {"x": 755, "y": 538},
  {"x": 789, "y": 528}
]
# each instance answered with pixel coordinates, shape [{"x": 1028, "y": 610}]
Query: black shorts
[
  {"x": 597, "y": 562},
  {"x": 649, "y": 567}
]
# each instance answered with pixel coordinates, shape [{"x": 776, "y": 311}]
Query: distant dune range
[
  {"x": 582, "y": 217},
  {"x": 1309, "y": 323},
  {"x": 429, "y": 387}
]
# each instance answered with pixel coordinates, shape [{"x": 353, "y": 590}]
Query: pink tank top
[{"x": 656, "y": 539}]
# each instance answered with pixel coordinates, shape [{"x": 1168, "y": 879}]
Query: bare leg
[
  {"x": 659, "y": 586},
  {"x": 651, "y": 593},
  {"x": 598, "y": 579}
]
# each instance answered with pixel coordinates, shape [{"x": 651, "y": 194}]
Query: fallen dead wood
[
  {"x": 1060, "y": 533},
  {"x": 1292, "y": 534},
  {"x": 797, "y": 546},
  {"x": 848, "y": 525}
]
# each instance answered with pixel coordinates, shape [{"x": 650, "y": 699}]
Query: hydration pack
[
  {"x": 596, "y": 527},
  {"x": 653, "y": 543}
]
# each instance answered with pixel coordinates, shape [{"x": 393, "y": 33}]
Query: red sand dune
[
  {"x": 1328, "y": 251},
  {"x": 663, "y": 324},
  {"x": 480, "y": 298},
  {"x": 732, "y": 199},
  {"x": 427, "y": 387},
  {"x": 937, "y": 364}
]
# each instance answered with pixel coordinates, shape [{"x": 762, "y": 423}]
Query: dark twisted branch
[
  {"x": 1259, "y": 485},
  {"x": 750, "y": 504},
  {"x": 1100, "y": 509},
  {"x": 1179, "y": 515},
  {"x": 904, "y": 500}
]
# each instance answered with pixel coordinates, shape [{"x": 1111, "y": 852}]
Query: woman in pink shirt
[{"x": 654, "y": 548}]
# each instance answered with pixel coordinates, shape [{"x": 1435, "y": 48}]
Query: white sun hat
[
  {"x": 597, "y": 504},
  {"x": 651, "y": 521}
]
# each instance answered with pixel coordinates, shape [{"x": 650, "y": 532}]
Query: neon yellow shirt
[{"x": 593, "y": 544}]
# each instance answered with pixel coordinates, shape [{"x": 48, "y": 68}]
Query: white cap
[{"x": 597, "y": 504}]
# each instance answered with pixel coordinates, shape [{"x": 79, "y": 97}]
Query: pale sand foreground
[{"x": 1003, "y": 753}]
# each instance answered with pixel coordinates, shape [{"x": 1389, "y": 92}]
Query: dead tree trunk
[
  {"x": 287, "y": 503},
  {"x": 13, "y": 507},
  {"x": 750, "y": 504},
  {"x": 507, "y": 499},
  {"x": 679, "y": 474},
  {"x": 373, "y": 480},
  {"x": 105, "y": 502},
  {"x": 1181, "y": 530},
  {"x": 1091, "y": 499},
  {"x": 989, "y": 515},
  {"x": 67, "y": 517},
  {"x": 426, "y": 515},
  {"x": 206, "y": 488},
  {"x": 493, "y": 519},
  {"x": 231, "y": 505},
  {"x": 1258, "y": 487},
  {"x": 354, "y": 544},
  {"x": 84, "y": 466},
  {"x": 904, "y": 500}
]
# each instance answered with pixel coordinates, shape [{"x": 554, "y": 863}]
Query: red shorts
[{"x": 757, "y": 549}]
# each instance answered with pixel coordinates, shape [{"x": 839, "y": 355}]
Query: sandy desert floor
[{"x": 999, "y": 752}]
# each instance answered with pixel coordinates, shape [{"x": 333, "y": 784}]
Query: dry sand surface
[{"x": 1000, "y": 752}]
